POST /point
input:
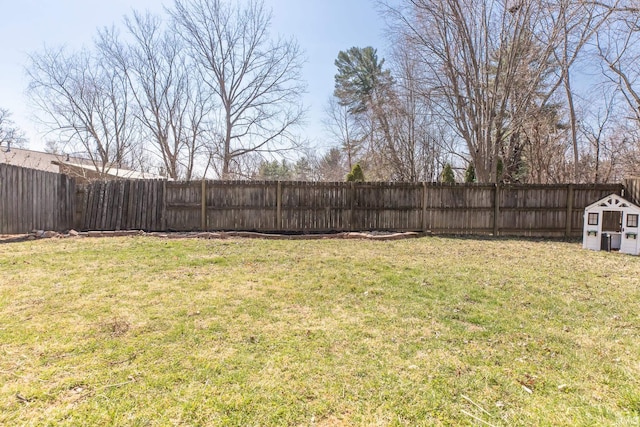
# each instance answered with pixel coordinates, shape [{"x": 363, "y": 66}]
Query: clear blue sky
[{"x": 322, "y": 28}]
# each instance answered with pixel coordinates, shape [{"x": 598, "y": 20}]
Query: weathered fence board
[
  {"x": 35, "y": 200},
  {"x": 242, "y": 205},
  {"x": 457, "y": 209},
  {"x": 120, "y": 205}
]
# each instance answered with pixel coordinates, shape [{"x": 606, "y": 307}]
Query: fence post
[
  {"x": 102, "y": 221},
  {"x": 121, "y": 185},
  {"x": 163, "y": 212},
  {"x": 569, "y": 221},
  {"x": 279, "y": 206},
  {"x": 496, "y": 210},
  {"x": 352, "y": 197},
  {"x": 80, "y": 205},
  {"x": 424, "y": 207},
  {"x": 203, "y": 207}
]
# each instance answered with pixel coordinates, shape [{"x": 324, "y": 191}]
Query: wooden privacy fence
[
  {"x": 632, "y": 190},
  {"x": 311, "y": 207},
  {"x": 32, "y": 199}
]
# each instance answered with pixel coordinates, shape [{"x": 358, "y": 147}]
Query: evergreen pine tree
[
  {"x": 356, "y": 174},
  {"x": 500, "y": 171},
  {"x": 470, "y": 173},
  {"x": 447, "y": 175}
]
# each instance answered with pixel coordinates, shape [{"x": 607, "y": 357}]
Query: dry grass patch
[{"x": 433, "y": 331}]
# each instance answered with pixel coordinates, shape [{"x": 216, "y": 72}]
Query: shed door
[{"x": 612, "y": 221}]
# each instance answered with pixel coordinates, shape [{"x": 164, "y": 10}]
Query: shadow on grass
[
  {"x": 490, "y": 238},
  {"x": 14, "y": 239}
]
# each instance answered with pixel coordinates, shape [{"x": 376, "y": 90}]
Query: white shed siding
[{"x": 626, "y": 239}]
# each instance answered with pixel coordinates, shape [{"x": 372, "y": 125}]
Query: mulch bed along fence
[{"x": 41, "y": 234}]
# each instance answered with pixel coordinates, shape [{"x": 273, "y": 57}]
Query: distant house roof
[
  {"x": 70, "y": 165},
  {"x": 30, "y": 159},
  {"x": 110, "y": 172}
]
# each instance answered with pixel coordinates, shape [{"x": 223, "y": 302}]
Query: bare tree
[
  {"x": 171, "y": 104},
  {"x": 10, "y": 134},
  {"x": 545, "y": 143},
  {"x": 366, "y": 89},
  {"x": 413, "y": 153},
  {"x": 599, "y": 130},
  {"x": 485, "y": 61},
  {"x": 85, "y": 103},
  {"x": 256, "y": 80},
  {"x": 384, "y": 115},
  {"x": 332, "y": 166},
  {"x": 580, "y": 23},
  {"x": 618, "y": 48},
  {"x": 345, "y": 130},
  {"x": 627, "y": 145}
]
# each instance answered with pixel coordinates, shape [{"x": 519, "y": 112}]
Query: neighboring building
[
  {"x": 87, "y": 172},
  {"x": 83, "y": 170},
  {"x": 30, "y": 159}
]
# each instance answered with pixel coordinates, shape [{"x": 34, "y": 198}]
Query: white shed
[{"x": 611, "y": 224}]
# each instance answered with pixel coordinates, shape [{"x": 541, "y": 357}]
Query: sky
[{"x": 321, "y": 27}]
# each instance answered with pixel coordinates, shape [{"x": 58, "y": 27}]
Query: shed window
[
  {"x": 632, "y": 220},
  {"x": 593, "y": 219}
]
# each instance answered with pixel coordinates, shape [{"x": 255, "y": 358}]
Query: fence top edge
[
  {"x": 36, "y": 171},
  {"x": 367, "y": 184}
]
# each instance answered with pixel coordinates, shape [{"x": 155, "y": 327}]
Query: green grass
[{"x": 432, "y": 331}]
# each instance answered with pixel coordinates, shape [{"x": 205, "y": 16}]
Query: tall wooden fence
[
  {"x": 632, "y": 190},
  {"x": 32, "y": 199},
  {"x": 308, "y": 207}
]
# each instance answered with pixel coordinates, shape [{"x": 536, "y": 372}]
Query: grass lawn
[{"x": 432, "y": 331}]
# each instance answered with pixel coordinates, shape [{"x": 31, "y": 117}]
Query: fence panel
[
  {"x": 315, "y": 206},
  {"x": 120, "y": 205},
  {"x": 534, "y": 209},
  {"x": 459, "y": 209},
  {"x": 548, "y": 210},
  {"x": 383, "y": 206},
  {"x": 35, "y": 200},
  {"x": 242, "y": 205}
]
